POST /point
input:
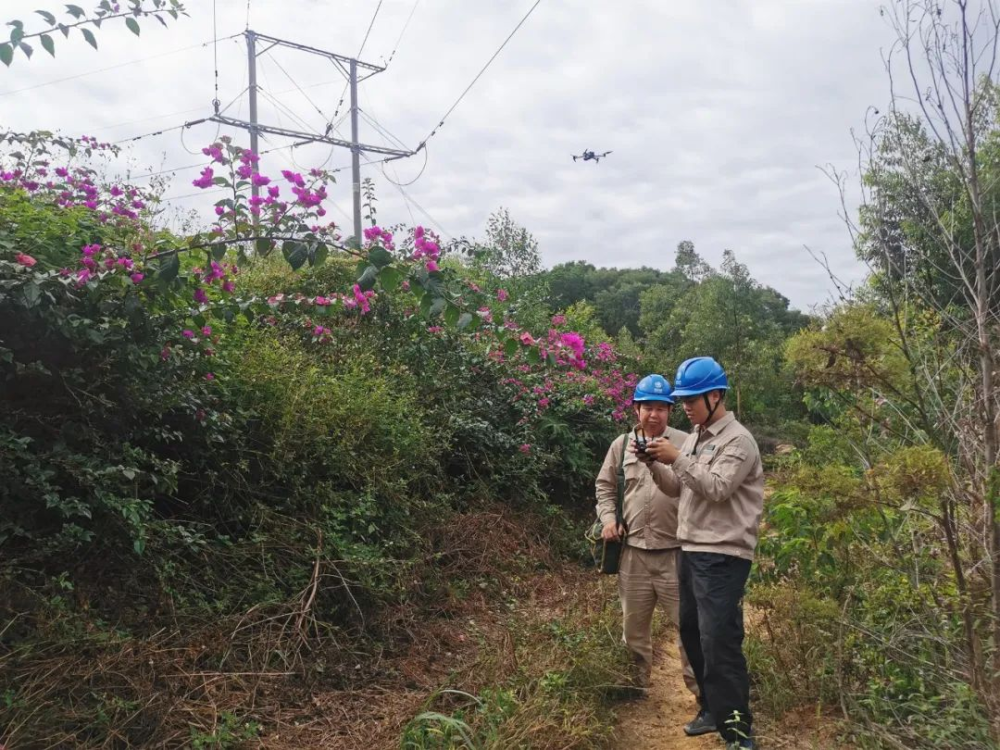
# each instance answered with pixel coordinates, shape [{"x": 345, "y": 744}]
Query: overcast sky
[{"x": 719, "y": 115}]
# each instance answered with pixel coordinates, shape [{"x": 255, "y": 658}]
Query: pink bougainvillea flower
[
  {"x": 502, "y": 295},
  {"x": 525, "y": 448},
  {"x": 206, "y": 180},
  {"x": 434, "y": 329},
  {"x": 558, "y": 320},
  {"x": 575, "y": 342},
  {"x": 25, "y": 260},
  {"x": 206, "y": 331},
  {"x": 432, "y": 267},
  {"x": 209, "y": 376},
  {"x": 527, "y": 339},
  {"x": 187, "y": 333},
  {"x": 137, "y": 278},
  {"x": 200, "y": 297}
]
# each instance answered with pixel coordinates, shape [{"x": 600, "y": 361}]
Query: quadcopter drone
[{"x": 591, "y": 156}]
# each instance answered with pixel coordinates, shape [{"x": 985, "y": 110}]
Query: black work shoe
[{"x": 703, "y": 723}]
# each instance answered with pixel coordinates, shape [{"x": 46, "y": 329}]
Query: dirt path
[{"x": 657, "y": 721}]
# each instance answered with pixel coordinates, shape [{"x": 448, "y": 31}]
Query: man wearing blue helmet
[
  {"x": 718, "y": 474},
  {"x": 647, "y": 574}
]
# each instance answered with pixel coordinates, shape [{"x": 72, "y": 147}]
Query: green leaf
[
  {"x": 437, "y": 307},
  {"x": 510, "y": 348},
  {"x": 48, "y": 44},
  {"x": 551, "y": 359},
  {"x": 219, "y": 251},
  {"x": 263, "y": 246},
  {"x": 533, "y": 356},
  {"x": 169, "y": 268},
  {"x": 76, "y": 11},
  {"x": 451, "y": 314},
  {"x": 466, "y": 320},
  {"x": 27, "y": 49},
  {"x": 6, "y": 54},
  {"x": 380, "y": 257},
  {"x": 221, "y": 181},
  {"x": 32, "y": 294},
  {"x": 16, "y": 35},
  {"x": 89, "y": 36},
  {"x": 65, "y": 30},
  {"x": 390, "y": 278},
  {"x": 49, "y": 18},
  {"x": 295, "y": 253},
  {"x": 367, "y": 280},
  {"x": 133, "y": 25},
  {"x": 320, "y": 254}
]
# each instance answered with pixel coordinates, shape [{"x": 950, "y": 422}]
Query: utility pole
[
  {"x": 254, "y": 136},
  {"x": 355, "y": 151},
  {"x": 351, "y": 68}
]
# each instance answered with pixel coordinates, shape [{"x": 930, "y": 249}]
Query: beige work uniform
[
  {"x": 647, "y": 575},
  {"x": 720, "y": 481}
]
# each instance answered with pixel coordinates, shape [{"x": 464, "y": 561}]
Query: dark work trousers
[{"x": 711, "y": 628}]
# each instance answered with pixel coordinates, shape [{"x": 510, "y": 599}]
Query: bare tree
[{"x": 929, "y": 228}]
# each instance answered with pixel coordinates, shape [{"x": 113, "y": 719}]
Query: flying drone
[{"x": 588, "y": 155}]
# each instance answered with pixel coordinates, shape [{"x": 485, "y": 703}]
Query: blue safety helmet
[
  {"x": 653, "y": 388},
  {"x": 699, "y": 375}
]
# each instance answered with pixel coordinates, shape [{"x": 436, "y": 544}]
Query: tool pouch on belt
[{"x": 608, "y": 554}]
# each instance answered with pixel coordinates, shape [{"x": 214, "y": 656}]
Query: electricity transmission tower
[{"x": 350, "y": 67}]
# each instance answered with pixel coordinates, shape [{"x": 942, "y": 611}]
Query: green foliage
[
  {"x": 230, "y": 732},
  {"x": 79, "y": 20},
  {"x": 567, "y": 669},
  {"x": 662, "y": 318}
]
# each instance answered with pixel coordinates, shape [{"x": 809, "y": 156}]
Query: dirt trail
[{"x": 657, "y": 721}]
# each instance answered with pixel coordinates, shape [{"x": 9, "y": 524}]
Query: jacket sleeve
[
  {"x": 718, "y": 480},
  {"x": 607, "y": 484},
  {"x": 665, "y": 479}
]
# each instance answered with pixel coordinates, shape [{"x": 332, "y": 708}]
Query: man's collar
[{"x": 717, "y": 426}]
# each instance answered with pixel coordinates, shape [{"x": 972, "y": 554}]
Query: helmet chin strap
[{"x": 711, "y": 409}]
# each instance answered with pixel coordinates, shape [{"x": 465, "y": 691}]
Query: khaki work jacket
[
  {"x": 721, "y": 484},
  {"x": 650, "y": 513}
]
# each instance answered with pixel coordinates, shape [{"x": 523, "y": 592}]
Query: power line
[
  {"x": 382, "y": 131},
  {"x": 160, "y": 132},
  {"x": 215, "y": 33},
  {"x": 370, "y": 25},
  {"x": 405, "y": 26},
  {"x": 364, "y": 41},
  {"x": 111, "y": 67},
  {"x": 296, "y": 84},
  {"x": 480, "y": 73},
  {"x": 425, "y": 213}
]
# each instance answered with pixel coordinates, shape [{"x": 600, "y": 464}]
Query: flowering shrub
[{"x": 135, "y": 407}]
